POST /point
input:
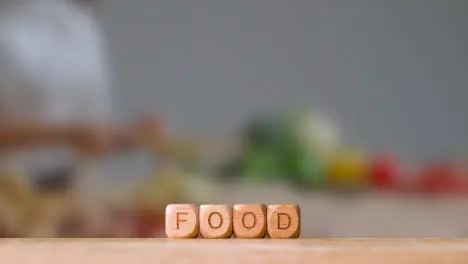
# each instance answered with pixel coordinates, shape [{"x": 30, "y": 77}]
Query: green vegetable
[
  {"x": 303, "y": 168},
  {"x": 261, "y": 165}
]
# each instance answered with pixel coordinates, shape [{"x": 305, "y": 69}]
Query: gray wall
[{"x": 392, "y": 73}]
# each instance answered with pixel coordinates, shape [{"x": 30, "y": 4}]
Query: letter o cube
[
  {"x": 284, "y": 221},
  {"x": 182, "y": 221},
  {"x": 249, "y": 220},
  {"x": 216, "y": 221}
]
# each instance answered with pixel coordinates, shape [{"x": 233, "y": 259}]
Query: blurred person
[{"x": 55, "y": 99}]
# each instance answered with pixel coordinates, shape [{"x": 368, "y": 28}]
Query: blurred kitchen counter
[{"x": 365, "y": 214}]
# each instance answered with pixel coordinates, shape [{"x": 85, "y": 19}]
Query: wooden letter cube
[
  {"x": 216, "y": 221},
  {"x": 249, "y": 220},
  {"x": 182, "y": 221},
  {"x": 283, "y": 221}
]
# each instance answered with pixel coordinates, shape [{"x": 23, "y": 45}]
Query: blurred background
[{"x": 355, "y": 110}]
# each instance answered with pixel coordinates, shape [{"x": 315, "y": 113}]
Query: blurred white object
[
  {"x": 52, "y": 69},
  {"x": 319, "y": 133},
  {"x": 52, "y": 65}
]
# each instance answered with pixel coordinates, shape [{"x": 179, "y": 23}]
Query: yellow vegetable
[{"x": 348, "y": 170}]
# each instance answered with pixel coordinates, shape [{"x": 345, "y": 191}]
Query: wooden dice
[
  {"x": 243, "y": 220},
  {"x": 284, "y": 221},
  {"x": 215, "y": 221},
  {"x": 182, "y": 221},
  {"x": 249, "y": 220}
]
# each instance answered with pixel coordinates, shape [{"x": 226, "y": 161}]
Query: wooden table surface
[{"x": 165, "y": 251}]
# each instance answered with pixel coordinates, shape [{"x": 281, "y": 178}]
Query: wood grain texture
[{"x": 330, "y": 251}]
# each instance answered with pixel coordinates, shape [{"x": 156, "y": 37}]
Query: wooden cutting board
[{"x": 330, "y": 251}]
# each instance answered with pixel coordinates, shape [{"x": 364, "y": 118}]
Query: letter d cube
[
  {"x": 284, "y": 221},
  {"x": 182, "y": 221}
]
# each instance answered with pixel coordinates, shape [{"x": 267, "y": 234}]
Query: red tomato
[
  {"x": 442, "y": 178},
  {"x": 385, "y": 173}
]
